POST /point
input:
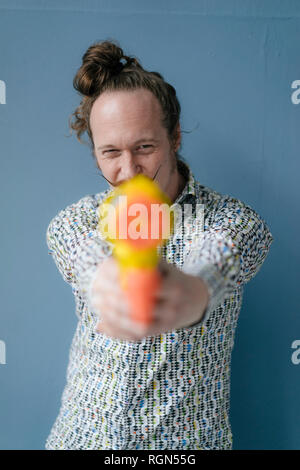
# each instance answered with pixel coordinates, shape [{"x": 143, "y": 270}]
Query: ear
[
  {"x": 177, "y": 137},
  {"x": 96, "y": 160},
  {"x": 94, "y": 152}
]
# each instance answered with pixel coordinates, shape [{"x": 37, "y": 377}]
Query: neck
[{"x": 178, "y": 185}]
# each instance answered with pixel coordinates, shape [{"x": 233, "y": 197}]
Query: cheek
[
  {"x": 154, "y": 161},
  {"x": 164, "y": 174},
  {"x": 108, "y": 168}
]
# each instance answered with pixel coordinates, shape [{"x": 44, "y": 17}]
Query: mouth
[{"x": 118, "y": 184}]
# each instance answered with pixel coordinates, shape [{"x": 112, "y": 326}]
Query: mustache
[{"x": 116, "y": 185}]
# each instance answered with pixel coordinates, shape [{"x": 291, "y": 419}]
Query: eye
[
  {"x": 144, "y": 146},
  {"x": 110, "y": 153}
]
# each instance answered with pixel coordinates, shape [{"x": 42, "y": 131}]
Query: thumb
[{"x": 163, "y": 268}]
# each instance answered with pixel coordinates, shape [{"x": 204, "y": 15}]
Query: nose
[{"x": 129, "y": 167}]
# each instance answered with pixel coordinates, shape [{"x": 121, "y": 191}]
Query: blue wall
[{"x": 233, "y": 64}]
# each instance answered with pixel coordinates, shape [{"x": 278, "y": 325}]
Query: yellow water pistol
[{"x": 136, "y": 219}]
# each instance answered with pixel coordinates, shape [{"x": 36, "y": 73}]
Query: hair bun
[{"x": 99, "y": 63}]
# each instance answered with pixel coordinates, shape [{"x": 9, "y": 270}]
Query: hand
[
  {"x": 181, "y": 301},
  {"x": 109, "y": 300}
]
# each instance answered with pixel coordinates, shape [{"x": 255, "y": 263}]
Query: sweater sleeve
[
  {"x": 230, "y": 251},
  {"x": 76, "y": 245}
]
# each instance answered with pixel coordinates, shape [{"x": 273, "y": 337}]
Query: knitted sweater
[{"x": 169, "y": 391}]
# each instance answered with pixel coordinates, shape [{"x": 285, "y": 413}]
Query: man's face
[{"x": 129, "y": 138}]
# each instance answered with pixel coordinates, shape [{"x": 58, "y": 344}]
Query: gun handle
[{"x": 141, "y": 285}]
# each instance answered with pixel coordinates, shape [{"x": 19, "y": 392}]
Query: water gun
[{"x": 136, "y": 240}]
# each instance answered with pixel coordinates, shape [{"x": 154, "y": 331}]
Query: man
[
  {"x": 167, "y": 385},
  {"x": 132, "y": 122}
]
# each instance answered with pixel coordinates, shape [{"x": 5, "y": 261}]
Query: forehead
[{"x": 126, "y": 109}]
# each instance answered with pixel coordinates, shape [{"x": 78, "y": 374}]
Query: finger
[
  {"x": 111, "y": 303},
  {"x": 160, "y": 327},
  {"x": 169, "y": 289},
  {"x": 107, "y": 272},
  {"x": 163, "y": 268},
  {"x": 107, "y": 283},
  {"x": 164, "y": 314},
  {"x": 117, "y": 315},
  {"x": 118, "y": 307},
  {"x": 116, "y": 332}
]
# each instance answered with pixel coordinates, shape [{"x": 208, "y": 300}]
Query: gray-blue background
[{"x": 232, "y": 63}]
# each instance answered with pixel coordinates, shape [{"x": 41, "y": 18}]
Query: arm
[
  {"x": 75, "y": 244},
  {"x": 231, "y": 250}
]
